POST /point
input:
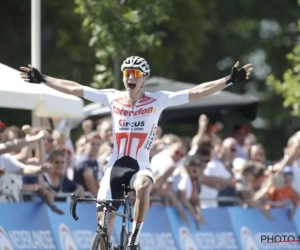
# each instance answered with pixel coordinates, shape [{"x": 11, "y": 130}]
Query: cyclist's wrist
[
  {"x": 44, "y": 79},
  {"x": 228, "y": 80}
]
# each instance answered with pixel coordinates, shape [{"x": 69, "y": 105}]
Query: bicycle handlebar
[{"x": 74, "y": 201}]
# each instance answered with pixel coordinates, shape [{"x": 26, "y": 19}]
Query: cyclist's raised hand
[
  {"x": 31, "y": 74},
  {"x": 239, "y": 75}
]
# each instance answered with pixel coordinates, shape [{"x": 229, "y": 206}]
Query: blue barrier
[
  {"x": 297, "y": 222},
  {"x": 33, "y": 226}
]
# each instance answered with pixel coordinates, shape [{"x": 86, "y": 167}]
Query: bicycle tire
[{"x": 97, "y": 240}]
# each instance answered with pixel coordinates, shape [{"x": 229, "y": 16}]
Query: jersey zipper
[{"x": 129, "y": 132}]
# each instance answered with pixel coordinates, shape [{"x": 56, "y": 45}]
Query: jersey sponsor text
[{"x": 141, "y": 111}]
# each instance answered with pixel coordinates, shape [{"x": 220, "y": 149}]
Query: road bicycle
[{"x": 101, "y": 234}]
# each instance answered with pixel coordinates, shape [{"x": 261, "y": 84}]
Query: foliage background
[{"x": 191, "y": 41}]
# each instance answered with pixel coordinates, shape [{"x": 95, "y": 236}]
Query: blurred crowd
[{"x": 190, "y": 174}]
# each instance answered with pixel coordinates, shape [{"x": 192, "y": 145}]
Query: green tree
[
  {"x": 119, "y": 29},
  {"x": 289, "y": 87}
]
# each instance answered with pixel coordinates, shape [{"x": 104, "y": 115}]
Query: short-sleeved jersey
[{"x": 134, "y": 127}]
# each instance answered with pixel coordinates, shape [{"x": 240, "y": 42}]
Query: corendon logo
[
  {"x": 141, "y": 111},
  {"x": 124, "y": 123}
]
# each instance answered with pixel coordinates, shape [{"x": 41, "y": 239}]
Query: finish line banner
[{"x": 33, "y": 226}]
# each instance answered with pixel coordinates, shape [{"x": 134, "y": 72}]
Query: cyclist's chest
[{"x": 139, "y": 118}]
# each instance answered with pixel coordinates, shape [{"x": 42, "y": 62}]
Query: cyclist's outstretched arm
[
  {"x": 33, "y": 75},
  {"x": 65, "y": 86},
  {"x": 168, "y": 99},
  {"x": 209, "y": 88}
]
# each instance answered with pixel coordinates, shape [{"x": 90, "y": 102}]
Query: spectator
[
  {"x": 56, "y": 178},
  {"x": 104, "y": 130},
  {"x": 48, "y": 142},
  {"x": 250, "y": 140},
  {"x": 9, "y": 165},
  {"x": 240, "y": 133},
  {"x": 292, "y": 159},
  {"x": 87, "y": 127},
  {"x": 217, "y": 168},
  {"x": 86, "y": 169},
  {"x": 14, "y": 133},
  {"x": 80, "y": 147},
  {"x": 259, "y": 176},
  {"x": 169, "y": 139},
  {"x": 17, "y": 144},
  {"x": 245, "y": 190},
  {"x": 283, "y": 194},
  {"x": 187, "y": 187},
  {"x": 59, "y": 139},
  {"x": 257, "y": 153},
  {"x": 164, "y": 163}
]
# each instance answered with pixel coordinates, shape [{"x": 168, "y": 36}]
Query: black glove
[
  {"x": 237, "y": 75},
  {"x": 35, "y": 76}
]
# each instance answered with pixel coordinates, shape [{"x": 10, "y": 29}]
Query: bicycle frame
[{"x": 107, "y": 211}]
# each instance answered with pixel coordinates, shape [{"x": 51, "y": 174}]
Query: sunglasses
[{"x": 135, "y": 72}]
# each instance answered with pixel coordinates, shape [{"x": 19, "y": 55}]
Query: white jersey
[{"x": 134, "y": 127}]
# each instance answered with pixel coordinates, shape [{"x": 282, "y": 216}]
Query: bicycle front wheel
[{"x": 100, "y": 241}]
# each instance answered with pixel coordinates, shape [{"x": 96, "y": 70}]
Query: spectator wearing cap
[
  {"x": 86, "y": 169},
  {"x": 240, "y": 132}
]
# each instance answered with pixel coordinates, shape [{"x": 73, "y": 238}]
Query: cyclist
[{"x": 134, "y": 115}]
